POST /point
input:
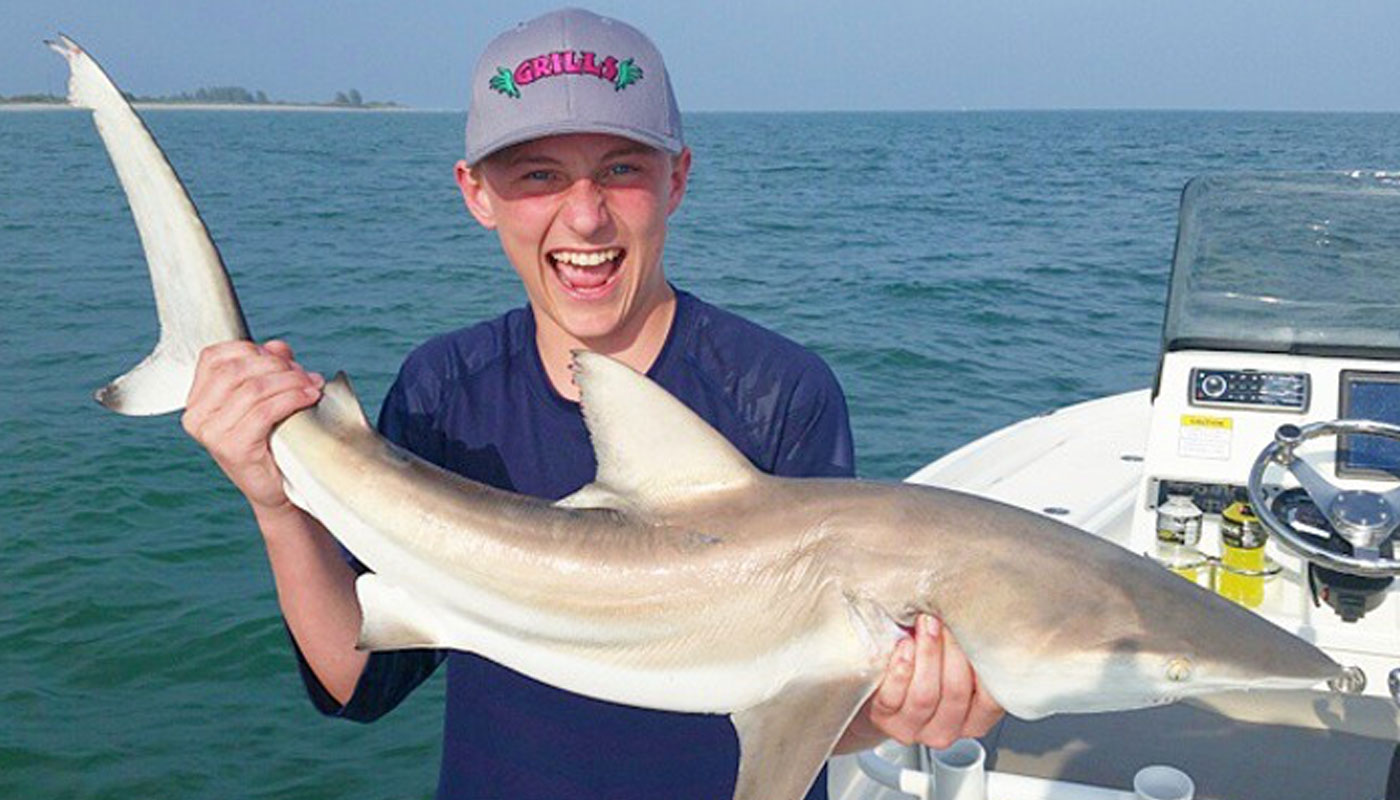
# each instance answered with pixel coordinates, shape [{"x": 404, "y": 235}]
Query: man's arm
[
  {"x": 316, "y": 591},
  {"x": 241, "y": 392}
]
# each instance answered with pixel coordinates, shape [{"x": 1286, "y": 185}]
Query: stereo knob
[{"x": 1214, "y": 386}]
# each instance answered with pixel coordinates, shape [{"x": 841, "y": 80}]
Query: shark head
[
  {"x": 1139, "y": 647},
  {"x": 1144, "y": 673},
  {"x": 1101, "y": 629}
]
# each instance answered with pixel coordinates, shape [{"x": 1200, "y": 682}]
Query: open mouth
[{"x": 588, "y": 274}]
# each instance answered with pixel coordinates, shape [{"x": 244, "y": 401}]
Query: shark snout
[{"x": 1280, "y": 662}]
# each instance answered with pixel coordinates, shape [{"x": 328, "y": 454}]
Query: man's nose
[{"x": 585, "y": 209}]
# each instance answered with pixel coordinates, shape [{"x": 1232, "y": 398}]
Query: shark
[{"x": 683, "y": 578}]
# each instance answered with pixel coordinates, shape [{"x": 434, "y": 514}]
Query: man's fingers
[
  {"x": 210, "y": 362},
  {"x": 230, "y": 359},
  {"x": 246, "y": 411},
  {"x": 930, "y": 693},
  {"x": 274, "y": 408},
  {"x": 925, "y": 692},
  {"x": 278, "y": 348},
  {"x": 889, "y": 697},
  {"x": 226, "y": 373},
  {"x": 241, "y": 391},
  {"x": 245, "y": 442},
  {"x": 906, "y": 699},
  {"x": 949, "y": 721},
  {"x": 222, "y": 352}
]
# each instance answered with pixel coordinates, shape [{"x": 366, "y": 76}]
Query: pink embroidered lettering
[{"x": 620, "y": 74}]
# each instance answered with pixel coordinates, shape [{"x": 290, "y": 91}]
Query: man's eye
[
  {"x": 622, "y": 169},
  {"x": 539, "y": 175}
]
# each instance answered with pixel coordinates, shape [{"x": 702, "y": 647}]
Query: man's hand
[
  {"x": 241, "y": 391},
  {"x": 929, "y": 695}
]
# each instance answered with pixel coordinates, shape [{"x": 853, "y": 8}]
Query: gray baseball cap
[{"x": 571, "y": 71}]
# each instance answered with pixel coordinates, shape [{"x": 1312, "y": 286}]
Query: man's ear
[
  {"x": 474, "y": 193},
  {"x": 680, "y": 178}
]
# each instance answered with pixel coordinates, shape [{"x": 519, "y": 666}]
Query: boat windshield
[{"x": 1288, "y": 262}]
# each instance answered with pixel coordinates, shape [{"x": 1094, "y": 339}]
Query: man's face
[{"x": 582, "y": 218}]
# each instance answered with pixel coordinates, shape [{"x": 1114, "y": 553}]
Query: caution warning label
[{"x": 1205, "y": 437}]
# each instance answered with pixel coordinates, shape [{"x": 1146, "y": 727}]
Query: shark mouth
[{"x": 588, "y": 274}]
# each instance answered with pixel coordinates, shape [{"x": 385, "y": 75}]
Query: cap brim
[{"x": 669, "y": 144}]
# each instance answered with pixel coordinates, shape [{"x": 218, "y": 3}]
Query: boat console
[{"x": 1272, "y": 466}]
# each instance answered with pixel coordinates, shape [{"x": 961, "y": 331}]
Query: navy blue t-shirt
[{"x": 478, "y": 402}]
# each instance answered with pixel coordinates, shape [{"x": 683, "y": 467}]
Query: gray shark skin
[{"x": 683, "y": 579}]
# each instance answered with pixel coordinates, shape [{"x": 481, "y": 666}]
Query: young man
[{"x": 575, "y": 158}]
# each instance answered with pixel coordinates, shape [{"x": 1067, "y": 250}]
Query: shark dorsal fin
[{"x": 652, "y": 450}]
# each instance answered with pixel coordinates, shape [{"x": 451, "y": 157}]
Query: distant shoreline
[
  {"x": 217, "y": 107},
  {"x": 306, "y": 107}
]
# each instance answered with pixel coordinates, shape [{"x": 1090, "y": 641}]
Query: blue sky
[{"x": 1315, "y": 55}]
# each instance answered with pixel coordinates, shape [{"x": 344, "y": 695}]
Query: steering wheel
[{"x": 1364, "y": 519}]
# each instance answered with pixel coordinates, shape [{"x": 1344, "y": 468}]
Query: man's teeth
[
  {"x": 592, "y": 259},
  {"x": 587, "y": 270}
]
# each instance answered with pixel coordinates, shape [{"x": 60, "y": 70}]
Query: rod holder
[
  {"x": 959, "y": 771},
  {"x": 1160, "y": 782}
]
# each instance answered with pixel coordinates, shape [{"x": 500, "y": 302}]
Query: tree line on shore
[{"x": 219, "y": 95}]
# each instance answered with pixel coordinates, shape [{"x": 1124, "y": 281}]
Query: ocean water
[{"x": 959, "y": 271}]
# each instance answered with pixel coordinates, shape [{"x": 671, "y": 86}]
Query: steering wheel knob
[
  {"x": 1288, "y": 434},
  {"x": 1287, "y": 437}
]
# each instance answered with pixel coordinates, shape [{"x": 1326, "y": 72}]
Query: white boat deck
[{"x": 1101, "y": 441}]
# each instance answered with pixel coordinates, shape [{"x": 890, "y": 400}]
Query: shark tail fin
[
  {"x": 158, "y": 385},
  {"x": 195, "y": 301}
]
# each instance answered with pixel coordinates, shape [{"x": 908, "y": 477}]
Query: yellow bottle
[{"x": 1242, "y": 562}]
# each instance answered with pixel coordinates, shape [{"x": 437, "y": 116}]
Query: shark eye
[{"x": 1179, "y": 670}]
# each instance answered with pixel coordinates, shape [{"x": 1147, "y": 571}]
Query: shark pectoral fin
[
  {"x": 391, "y": 619},
  {"x": 652, "y": 450},
  {"x": 784, "y": 742},
  {"x": 1359, "y": 715}
]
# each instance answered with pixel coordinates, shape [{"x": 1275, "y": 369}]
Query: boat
[{"x": 1262, "y": 464}]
